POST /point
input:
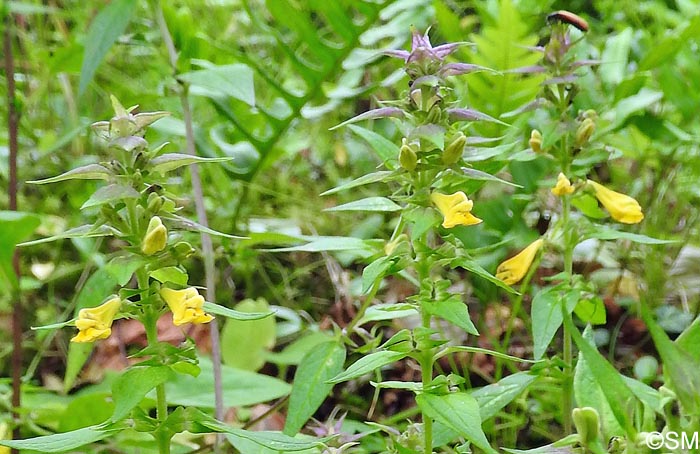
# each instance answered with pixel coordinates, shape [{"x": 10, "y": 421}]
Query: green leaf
[
  {"x": 109, "y": 24},
  {"x": 601, "y": 232},
  {"x": 246, "y": 341},
  {"x": 616, "y": 392},
  {"x": 63, "y": 441},
  {"x": 171, "y": 161},
  {"x": 368, "y": 204},
  {"x": 385, "y": 149},
  {"x": 187, "y": 224},
  {"x": 214, "y": 308},
  {"x": 479, "y": 175},
  {"x": 389, "y": 311},
  {"x": 132, "y": 386},
  {"x": 14, "y": 227},
  {"x": 240, "y": 387},
  {"x": 591, "y": 311},
  {"x": 690, "y": 338},
  {"x": 274, "y": 441},
  {"x": 235, "y": 81},
  {"x": 310, "y": 386},
  {"x": 365, "y": 179},
  {"x": 110, "y": 194},
  {"x": 331, "y": 243},
  {"x": 84, "y": 231},
  {"x": 367, "y": 364},
  {"x": 173, "y": 274},
  {"x": 485, "y": 351},
  {"x": 293, "y": 353},
  {"x": 470, "y": 264},
  {"x": 454, "y": 311},
  {"x": 615, "y": 57},
  {"x": 633, "y": 104},
  {"x": 494, "y": 397},
  {"x": 88, "y": 172},
  {"x": 86, "y": 409},
  {"x": 460, "y": 413},
  {"x": 123, "y": 267},
  {"x": 547, "y": 316},
  {"x": 374, "y": 271}
]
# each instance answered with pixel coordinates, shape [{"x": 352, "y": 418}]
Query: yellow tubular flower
[
  {"x": 186, "y": 306},
  {"x": 96, "y": 322},
  {"x": 514, "y": 269},
  {"x": 455, "y": 208},
  {"x": 563, "y": 186},
  {"x": 156, "y": 237},
  {"x": 621, "y": 207}
]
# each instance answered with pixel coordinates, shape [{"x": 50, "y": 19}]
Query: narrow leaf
[
  {"x": 133, "y": 385},
  {"x": 88, "y": 172},
  {"x": 110, "y": 194},
  {"x": 367, "y": 364},
  {"x": 63, "y": 441},
  {"x": 213, "y": 308},
  {"x": 365, "y": 179},
  {"x": 382, "y": 112},
  {"x": 368, "y": 204},
  {"x": 170, "y": 161}
]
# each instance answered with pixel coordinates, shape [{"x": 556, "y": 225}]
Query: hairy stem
[
  {"x": 567, "y": 388},
  {"x": 207, "y": 247}
]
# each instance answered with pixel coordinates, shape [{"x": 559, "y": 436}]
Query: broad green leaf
[
  {"x": 309, "y": 388},
  {"x": 460, "y": 413},
  {"x": 367, "y": 364},
  {"x": 245, "y": 342},
  {"x": 690, "y": 338},
  {"x": 591, "y": 311},
  {"x": 84, "y": 231},
  {"x": 633, "y": 104},
  {"x": 368, "y": 204},
  {"x": 87, "y": 172},
  {"x": 132, "y": 386},
  {"x": 680, "y": 367},
  {"x": 493, "y": 398},
  {"x": 109, "y": 24},
  {"x": 547, "y": 316},
  {"x": 293, "y": 353},
  {"x": 110, "y": 194},
  {"x": 173, "y": 274},
  {"x": 454, "y": 311},
  {"x": 601, "y": 232},
  {"x": 385, "y": 149},
  {"x": 616, "y": 392},
  {"x": 14, "y": 227},
  {"x": 365, "y": 179},
  {"x": 615, "y": 57},
  {"x": 588, "y": 392},
  {"x": 63, "y": 441},
  {"x": 235, "y": 81},
  {"x": 374, "y": 271},
  {"x": 86, "y": 409},
  {"x": 123, "y": 267},
  {"x": 240, "y": 387},
  {"x": 171, "y": 161}
]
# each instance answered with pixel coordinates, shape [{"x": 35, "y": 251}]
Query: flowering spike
[
  {"x": 96, "y": 322},
  {"x": 455, "y": 208},
  {"x": 621, "y": 207},
  {"x": 186, "y": 305},
  {"x": 514, "y": 269}
]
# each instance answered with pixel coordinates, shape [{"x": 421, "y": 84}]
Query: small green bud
[
  {"x": 156, "y": 237},
  {"x": 417, "y": 98},
  {"x": 536, "y": 141},
  {"x": 407, "y": 156},
  {"x": 155, "y": 202},
  {"x": 434, "y": 115},
  {"x": 183, "y": 250},
  {"x": 584, "y": 132},
  {"x": 454, "y": 150},
  {"x": 587, "y": 422}
]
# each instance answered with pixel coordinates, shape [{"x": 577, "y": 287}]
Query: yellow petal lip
[
  {"x": 455, "y": 208},
  {"x": 563, "y": 186},
  {"x": 186, "y": 305},
  {"x": 621, "y": 207},
  {"x": 514, "y": 269},
  {"x": 95, "y": 323}
]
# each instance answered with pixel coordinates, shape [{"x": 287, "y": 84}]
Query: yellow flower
[
  {"x": 96, "y": 322},
  {"x": 156, "y": 237},
  {"x": 621, "y": 207},
  {"x": 514, "y": 269},
  {"x": 186, "y": 305},
  {"x": 563, "y": 186},
  {"x": 455, "y": 208}
]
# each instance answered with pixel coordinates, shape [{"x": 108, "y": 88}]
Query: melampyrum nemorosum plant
[
  {"x": 135, "y": 208},
  {"x": 434, "y": 175},
  {"x": 596, "y": 400}
]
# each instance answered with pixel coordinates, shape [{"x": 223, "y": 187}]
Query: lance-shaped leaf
[
  {"x": 365, "y": 179},
  {"x": 367, "y": 364},
  {"x": 145, "y": 119},
  {"x": 84, "y": 231},
  {"x": 534, "y": 69},
  {"x": 187, "y": 224},
  {"x": 368, "y": 204},
  {"x": 171, "y": 161},
  {"x": 456, "y": 69},
  {"x": 382, "y": 112},
  {"x": 458, "y": 114},
  {"x": 64, "y": 441},
  {"x": 111, "y": 193},
  {"x": 479, "y": 175},
  {"x": 129, "y": 143},
  {"x": 88, "y": 172},
  {"x": 234, "y": 314}
]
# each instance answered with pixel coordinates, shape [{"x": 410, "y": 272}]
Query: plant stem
[
  {"x": 363, "y": 308},
  {"x": 567, "y": 388},
  {"x": 426, "y": 369},
  {"x": 207, "y": 247}
]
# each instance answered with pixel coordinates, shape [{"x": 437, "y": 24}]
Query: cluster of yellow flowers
[
  {"x": 95, "y": 323},
  {"x": 456, "y": 210}
]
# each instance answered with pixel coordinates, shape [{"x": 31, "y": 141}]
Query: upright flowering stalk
[
  {"x": 434, "y": 194},
  {"x": 135, "y": 207},
  {"x": 568, "y": 142}
]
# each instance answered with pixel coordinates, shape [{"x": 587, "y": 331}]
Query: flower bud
[
  {"x": 584, "y": 132},
  {"x": 536, "y": 141},
  {"x": 587, "y": 424},
  {"x": 156, "y": 237},
  {"x": 183, "y": 250},
  {"x": 434, "y": 115},
  {"x": 407, "y": 156},
  {"x": 155, "y": 202},
  {"x": 454, "y": 150}
]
